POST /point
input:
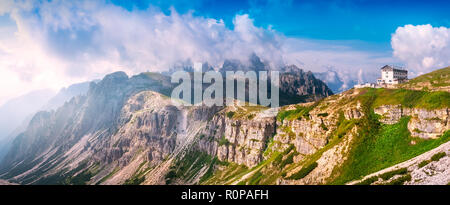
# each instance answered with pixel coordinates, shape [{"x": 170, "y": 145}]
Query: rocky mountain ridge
[{"x": 127, "y": 131}]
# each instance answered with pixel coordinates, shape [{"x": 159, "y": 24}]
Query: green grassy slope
[
  {"x": 379, "y": 146},
  {"x": 430, "y": 81}
]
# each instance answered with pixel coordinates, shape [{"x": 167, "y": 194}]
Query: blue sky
[
  {"x": 53, "y": 43},
  {"x": 364, "y": 20}
]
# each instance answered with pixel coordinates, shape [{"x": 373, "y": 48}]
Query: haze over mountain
[
  {"x": 16, "y": 114},
  {"x": 13, "y": 112}
]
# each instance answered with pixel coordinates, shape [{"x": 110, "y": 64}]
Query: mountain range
[{"x": 125, "y": 130}]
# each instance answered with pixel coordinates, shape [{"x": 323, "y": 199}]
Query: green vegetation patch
[
  {"x": 298, "y": 113},
  {"x": 323, "y": 114},
  {"x": 409, "y": 98},
  {"x": 435, "y": 157},
  {"x": 438, "y": 156},
  {"x": 224, "y": 141},
  {"x": 230, "y": 114},
  {"x": 388, "y": 175},
  {"x": 109, "y": 175},
  {"x": 380, "y": 146},
  {"x": 437, "y": 78},
  {"x": 190, "y": 165},
  {"x": 245, "y": 111},
  {"x": 400, "y": 181},
  {"x": 304, "y": 171},
  {"x": 368, "y": 181},
  {"x": 138, "y": 177}
]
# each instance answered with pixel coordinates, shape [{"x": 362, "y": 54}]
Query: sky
[{"x": 52, "y": 44}]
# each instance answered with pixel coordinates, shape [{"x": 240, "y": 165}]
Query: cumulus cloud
[
  {"x": 57, "y": 43},
  {"x": 351, "y": 65},
  {"x": 423, "y": 47}
]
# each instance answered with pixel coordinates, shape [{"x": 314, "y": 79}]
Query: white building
[
  {"x": 367, "y": 85},
  {"x": 391, "y": 75}
]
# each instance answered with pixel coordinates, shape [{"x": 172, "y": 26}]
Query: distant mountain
[
  {"x": 13, "y": 112},
  {"x": 335, "y": 81},
  {"x": 65, "y": 94},
  {"x": 296, "y": 85},
  {"x": 17, "y": 113},
  {"x": 296, "y": 82}
]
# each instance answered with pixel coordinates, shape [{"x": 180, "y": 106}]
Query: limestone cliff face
[
  {"x": 238, "y": 140},
  {"x": 307, "y": 135},
  {"x": 424, "y": 123}
]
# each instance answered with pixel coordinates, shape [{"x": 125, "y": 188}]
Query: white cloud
[
  {"x": 58, "y": 43},
  {"x": 352, "y": 65},
  {"x": 423, "y": 48}
]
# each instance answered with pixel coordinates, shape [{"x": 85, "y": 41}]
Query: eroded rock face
[
  {"x": 391, "y": 114},
  {"x": 241, "y": 141},
  {"x": 424, "y": 123},
  {"x": 307, "y": 135},
  {"x": 151, "y": 127},
  {"x": 353, "y": 112}
]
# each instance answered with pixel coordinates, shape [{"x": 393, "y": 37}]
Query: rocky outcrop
[
  {"x": 423, "y": 123},
  {"x": 353, "y": 112},
  {"x": 294, "y": 81},
  {"x": 390, "y": 114},
  {"x": 237, "y": 140},
  {"x": 307, "y": 135}
]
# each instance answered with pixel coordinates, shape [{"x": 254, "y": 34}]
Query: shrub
[
  {"x": 435, "y": 157},
  {"x": 289, "y": 160},
  {"x": 390, "y": 174},
  {"x": 323, "y": 114},
  {"x": 304, "y": 171},
  {"x": 135, "y": 180},
  {"x": 424, "y": 163},
  {"x": 323, "y": 126},
  {"x": 438, "y": 156},
  {"x": 400, "y": 181},
  {"x": 230, "y": 114},
  {"x": 254, "y": 180},
  {"x": 224, "y": 141},
  {"x": 170, "y": 175},
  {"x": 368, "y": 181}
]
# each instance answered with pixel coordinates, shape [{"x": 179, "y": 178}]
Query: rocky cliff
[
  {"x": 127, "y": 131},
  {"x": 334, "y": 140},
  {"x": 424, "y": 123},
  {"x": 239, "y": 134}
]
